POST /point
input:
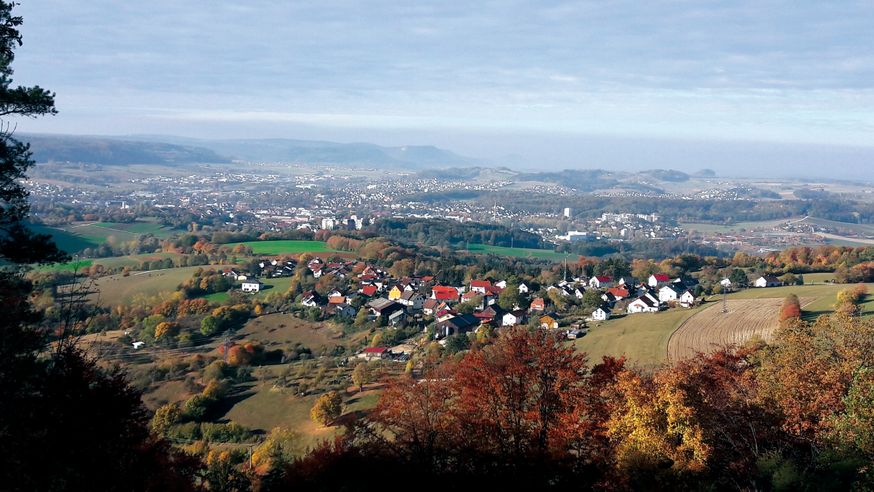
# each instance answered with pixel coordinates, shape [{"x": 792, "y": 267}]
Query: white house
[
  {"x": 725, "y": 283},
  {"x": 768, "y": 281},
  {"x": 412, "y": 299},
  {"x": 658, "y": 279},
  {"x": 251, "y": 286},
  {"x": 523, "y": 289},
  {"x": 600, "y": 282},
  {"x": 138, "y": 345},
  {"x": 644, "y": 304},
  {"x": 669, "y": 293},
  {"x": 601, "y": 314},
  {"x": 513, "y": 318},
  {"x": 687, "y": 299}
]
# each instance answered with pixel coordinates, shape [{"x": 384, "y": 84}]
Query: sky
[{"x": 749, "y": 87}]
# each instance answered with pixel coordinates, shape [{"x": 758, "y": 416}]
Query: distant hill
[
  {"x": 145, "y": 149},
  {"x": 413, "y": 157},
  {"x": 113, "y": 151}
]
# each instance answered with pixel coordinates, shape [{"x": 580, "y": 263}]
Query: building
[
  {"x": 548, "y": 322},
  {"x": 658, "y": 279},
  {"x": 251, "y": 286},
  {"x": 600, "y": 282},
  {"x": 567, "y": 213},
  {"x": 513, "y": 318},
  {"x": 373, "y": 353},
  {"x": 768, "y": 281},
  {"x": 601, "y": 314},
  {"x": 643, "y": 304}
]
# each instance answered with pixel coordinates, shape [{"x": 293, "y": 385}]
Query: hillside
[{"x": 112, "y": 151}]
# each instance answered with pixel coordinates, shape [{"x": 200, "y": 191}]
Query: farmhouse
[
  {"x": 643, "y": 304},
  {"x": 537, "y": 304},
  {"x": 687, "y": 298},
  {"x": 384, "y": 307},
  {"x": 395, "y": 293},
  {"x": 600, "y": 282},
  {"x": 412, "y": 299},
  {"x": 480, "y": 286},
  {"x": 372, "y": 353},
  {"x": 658, "y": 280},
  {"x": 725, "y": 283},
  {"x": 513, "y": 318},
  {"x": 670, "y": 293},
  {"x": 455, "y": 325},
  {"x": 768, "y": 281},
  {"x": 429, "y": 306},
  {"x": 601, "y": 314},
  {"x": 548, "y": 322},
  {"x": 251, "y": 286},
  {"x": 444, "y": 293},
  {"x": 311, "y": 298}
]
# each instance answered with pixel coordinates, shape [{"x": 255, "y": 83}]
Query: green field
[
  {"x": 66, "y": 241},
  {"x": 111, "y": 262},
  {"x": 643, "y": 338},
  {"x": 78, "y": 236},
  {"x": 544, "y": 254},
  {"x": 285, "y": 246}
]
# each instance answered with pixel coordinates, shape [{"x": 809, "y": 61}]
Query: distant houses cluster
[{"x": 424, "y": 302}]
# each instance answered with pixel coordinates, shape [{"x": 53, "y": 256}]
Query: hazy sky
[{"x": 593, "y": 84}]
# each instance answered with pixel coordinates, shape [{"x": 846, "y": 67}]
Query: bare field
[{"x": 711, "y": 329}]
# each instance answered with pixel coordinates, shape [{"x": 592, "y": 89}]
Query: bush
[{"x": 229, "y": 432}]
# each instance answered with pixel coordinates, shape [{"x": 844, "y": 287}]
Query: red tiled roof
[
  {"x": 661, "y": 277},
  {"x": 480, "y": 283},
  {"x": 374, "y": 350},
  {"x": 368, "y": 290}
]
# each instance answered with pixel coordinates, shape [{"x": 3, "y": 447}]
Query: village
[{"x": 367, "y": 293}]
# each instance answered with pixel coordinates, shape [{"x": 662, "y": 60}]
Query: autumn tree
[
  {"x": 791, "y": 309},
  {"x": 361, "y": 375},
  {"x": 327, "y": 408}
]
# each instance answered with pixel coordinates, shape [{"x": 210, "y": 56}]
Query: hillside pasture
[
  {"x": 543, "y": 254},
  {"x": 285, "y": 247},
  {"x": 75, "y": 237},
  {"x": 118, "y": 289},
  {"x": 641, "y": 338}
]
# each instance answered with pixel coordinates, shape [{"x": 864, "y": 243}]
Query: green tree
[
  {"x": 592, "y": 299},
  {"x": 327, "y": 408},
  {"x": 510, "y": 297},
  {"x": 361, "y": 318},
  {"x": 209, "y": 326}
]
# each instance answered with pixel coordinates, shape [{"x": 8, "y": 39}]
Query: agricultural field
[
  {"x": 710, "y": 328},
  {"x": 118, "y": 289},
  {"x": 821, "y": 297},
  {"x": 545, "y": 254},
  {"x": 641, "y": 338},
  {"x": 281, "y": 247},
  {"x": 644, "y": 338}
]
